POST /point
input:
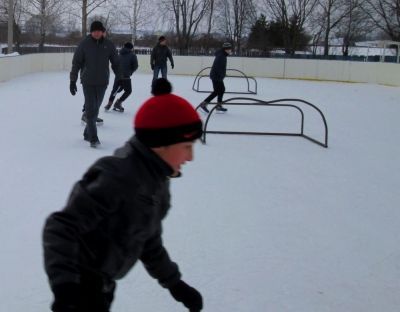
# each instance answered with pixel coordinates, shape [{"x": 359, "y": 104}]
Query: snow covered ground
[{"x": 257, "y": 224}]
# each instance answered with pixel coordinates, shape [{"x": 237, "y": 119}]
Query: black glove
[
  {"x": 72, "y": 87},
  {"x": 186, "y": 294},
  {"x": 66, "y": 297},
  {"x": 152, "y": 66},
  {"x": 172, "y": 65}
]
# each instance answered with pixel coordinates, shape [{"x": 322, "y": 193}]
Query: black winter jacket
[
  {"x": 112, "y": 219},
  {"x": 218, "y": 69},
  {"x": 128, "y": 62},
  {"x": 92, "y": 59},
  {"x": 159, "y": 56}
]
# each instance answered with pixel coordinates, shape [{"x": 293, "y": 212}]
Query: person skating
[
  {"x": 158, "y": 58},
  {"x": 217, "y": 75},
  {"x": 113, "y": 216},
  {"x": 128, "y": 64},
  {"x": 91, "y": 59}
]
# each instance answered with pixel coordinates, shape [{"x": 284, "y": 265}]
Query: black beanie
[
  {"x": 161, "y": 86},
  {"x": 128, "y": 45},
  {"x": 97, "y": 25},
  {"x": 162, "y": 38}
]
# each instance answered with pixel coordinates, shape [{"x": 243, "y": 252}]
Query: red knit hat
[{"x": 165, "y": 120}]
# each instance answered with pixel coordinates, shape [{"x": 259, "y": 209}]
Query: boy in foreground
[{"x": 113, "y": 217}]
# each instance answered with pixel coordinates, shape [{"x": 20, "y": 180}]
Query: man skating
[
  {"x": 91, "y": 59},
  {"x": 217, "y": 75},
  {"x": 158, "y": 58},
  {"x": 128, "y": 64}
]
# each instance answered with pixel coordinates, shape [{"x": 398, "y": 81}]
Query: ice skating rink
[{"x": 258, "y": 223}]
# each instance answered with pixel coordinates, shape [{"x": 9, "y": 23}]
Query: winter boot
[
  {"x": 203, "y": 107},
  {"x": 118, "y": 107},
  {"x": 95, "y": 143},
  {"x": 220, "y": 109},
  {"x": 108, "y": 105},
  {"x": 99, "y": 120}
]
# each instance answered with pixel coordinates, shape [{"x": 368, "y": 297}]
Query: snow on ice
[{"x": 258, "y": 223}]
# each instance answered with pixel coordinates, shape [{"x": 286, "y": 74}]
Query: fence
[
  {"x": 277, "y": 53},
  {"x": 283, "y": 68}
]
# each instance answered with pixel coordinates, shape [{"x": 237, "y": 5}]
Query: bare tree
[
  {"x": 16, "y": 18},
  {"x": 86, "y": 7},
  {"x": 187, "y": 15},
  {"x": 293, "y": 15},
  {"x": 210, "y": 20},
  {"x": 330, "y": 14},
  {"x": 385, "y": 14},
  {"x": 354, "y": 26},
  {"x": 236, "y": 18},
  {"x": 10, "y": 33},
  {"x": 137, "y": 14},
  {"x": 46, "y": 12}
]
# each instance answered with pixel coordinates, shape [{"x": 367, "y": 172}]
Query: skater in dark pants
[
  {"x": 128, "y": 64},
  {"x": 158, "y": 58},
  {"x": 217, "y": 75},
  {"x": 114, "y": 214},
  {"x": 91, "y": 59}
]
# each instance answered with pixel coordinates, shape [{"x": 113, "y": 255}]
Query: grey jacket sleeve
[
  {"x": 158, "y": 263},
  {"x": 85, "y": 209},
  {"x": 134, "y": 63},
  {"x": 152, "y": 56},
  {"x": 169, "y": 55},
  {"x": 77, "y": 63}
]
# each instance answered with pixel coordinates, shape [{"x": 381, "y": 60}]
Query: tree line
[{"x": 261, "y": 25}]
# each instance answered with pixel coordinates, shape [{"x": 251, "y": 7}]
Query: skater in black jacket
[
  {"x": 217, "y": 75},
  {"x": 92, "y": 58},
  {"x": 114, "y": 214},
  {"x": 128, "y": 64},
  {"x": 158, "y": 58}
]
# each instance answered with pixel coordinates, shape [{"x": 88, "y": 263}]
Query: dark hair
[
  {"x": 162, "y": 38},
  {"x": 161, "y": 86},
  {"x": 128, "y": 45},
  {"x": 97, "y": 25}
]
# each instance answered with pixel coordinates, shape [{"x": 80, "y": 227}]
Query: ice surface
[{"x": 257, "y": 223}]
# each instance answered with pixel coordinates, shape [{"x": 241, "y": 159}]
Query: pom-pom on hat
[
  {"x": 97, "y": 25},
  {"x": 167, "y": 119}
]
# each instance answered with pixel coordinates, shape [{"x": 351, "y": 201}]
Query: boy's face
[
  {"x": 176, "y": 155},
  {"x": 97, "y": 34}
]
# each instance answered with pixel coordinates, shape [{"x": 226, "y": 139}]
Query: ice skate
[
  {"x": 118, "y": 107},
  {"x": 203, "y": 107},
  {"x": 108, "y": 105},
  {"x": 95, "y": 143},
  {"x": 220, "y": 109},
  {"x": 84, "y": 120}
]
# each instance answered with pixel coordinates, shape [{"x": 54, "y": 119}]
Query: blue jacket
[
  {"x": 218, "y": 69},
  {"x": 128, "y": 62}
]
